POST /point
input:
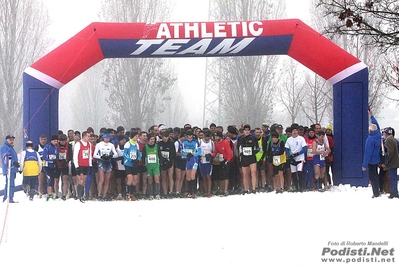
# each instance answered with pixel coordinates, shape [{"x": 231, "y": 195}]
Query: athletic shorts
[
  {"x": 190, "y": 163},
  {"x": 83, "y": 170},
  {"x": 131, "y": 170},
  {"x": 62, "y": 171},
  {"x": 247, "y": 160},
  {"x": 220, "y": 172},
  {"x": 51, "y": 174},
  {"x": 180, "y": 164},
  {"x": 153, "y": 171},
  {"x": 120, "y": 174},
  {"x": 141, "y": 169},
  {"x": 317, "y": 161},
  {"x": 205, "y": 169},
  {"x": 276, "y": 169},
  {"x": 105, "y": 166},
  {"x": 296, "y": 168}
]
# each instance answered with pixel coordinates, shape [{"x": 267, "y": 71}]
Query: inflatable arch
[{"x": 347, "y": 74}]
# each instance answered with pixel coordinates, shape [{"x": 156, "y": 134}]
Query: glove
[
  {"x": 256, "y": 150},
  {"x": 208, "y": 157},
  {"x": 189, "y": 155},
  {"x": 104, "y": 157},
  {"x": 296, "y": 154},
  {"x": 291, "y": 157},
  {"x": 16, "y": 164},
  {"x": 20, "y": 172}
]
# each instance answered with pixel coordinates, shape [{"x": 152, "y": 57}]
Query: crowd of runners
[{"x": 179, "y": 162}]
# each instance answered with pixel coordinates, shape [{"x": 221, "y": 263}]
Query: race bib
[
  {"x": 322, "y": 158},
  {"x": 309, "y": 153},
  {"x": 276, "y": 160},
  {"x": 279, "y": 159},
  {"x": 104, "y": 152},
  {"x": 165, "y": 154},
  {"x": 247, "y": 151},
  {"x": 52, "y": 156},
  {"x": 151, "y": 158},
  {"x": 188, "y": 151},
  {"x": 85, "y": 154},
  {"x": 219, "y": 157},
  {"x": 133, "y": 155},
  {"x": 62, "y": 156}
]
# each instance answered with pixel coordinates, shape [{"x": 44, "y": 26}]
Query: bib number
[
  {"x": 247, "y": 151},
  {"x": 165, "y": 154},
  {"x": 133, "y": 155},
  {"x": 62, "y": 156},
  {"x": 152, "y": 158},
  {"x": 85, "y": 154}
]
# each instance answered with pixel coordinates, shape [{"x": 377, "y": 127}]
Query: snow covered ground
[{"x": 258, "y": 229}]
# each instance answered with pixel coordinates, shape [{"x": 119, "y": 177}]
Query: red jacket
[{"x": 223, "y": 147}]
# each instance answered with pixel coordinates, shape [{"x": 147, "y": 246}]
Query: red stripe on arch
[
  {"x": 318, "y": 53},
  {"x": 73, "y": 57}
]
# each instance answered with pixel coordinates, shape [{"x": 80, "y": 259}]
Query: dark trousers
[
  {"x": 393, "y": 181},
  {"x": 373, "y": 176},
  {"x": 31, "y": 181},
  {"x": 381, "y": 175}
]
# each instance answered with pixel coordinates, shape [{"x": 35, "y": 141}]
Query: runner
[
  {"x": 104, "y": 153},
  {"x": 82, "y": 159},
  {"x": 248, "y": 147},
  {"x": 191, "y": 151},
  {"x": 131, "y": 156},
  {"x": 276, "y": 152},
  {"x": 65, "y": 156},
  {"x": 207, "y": 147},
  {"x": 168, "y": 155},
  {"x": 151, "y": 156},
  {"x": 31, "y": 166},
  {"x": 50, "y": 158}
]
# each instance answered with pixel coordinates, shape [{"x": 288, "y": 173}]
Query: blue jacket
[
  {"x": 6, "y": 151},
  {"x": 50, "y": 155},
  {"x": 131, "y": 153},
  {"x": 372, "y": 149}
]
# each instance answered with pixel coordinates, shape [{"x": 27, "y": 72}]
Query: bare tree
[
  {"x": 290, "y": 89},
  {"x": 173, "y": 111},
  {"x": 136, "y": 86},
  {"x": 23, "y": 27},
  {"x": 374, "y": 24},
  {"x": 317, "y": 102},
  {"x": 88, "y": 104},
  {"x": 376, "y": 20},
  {"x": 247, "y": 82},
  {"x": 381, "y": 72}
]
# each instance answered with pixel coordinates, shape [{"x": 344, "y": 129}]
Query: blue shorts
[
  {"x": 105, "y": 166},
  {"x": 205, "y": 169},
  {"x": 317, "y": 161},
  {"x": 190, "y": 163}
]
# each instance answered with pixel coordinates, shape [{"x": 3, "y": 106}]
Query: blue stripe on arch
[{"x": 263, "y": 45}]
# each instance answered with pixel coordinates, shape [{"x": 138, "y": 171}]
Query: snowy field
[{"x": 257, "y": 229}]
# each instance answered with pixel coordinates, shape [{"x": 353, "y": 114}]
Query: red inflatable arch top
[{"x": 347, "y": 74}]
